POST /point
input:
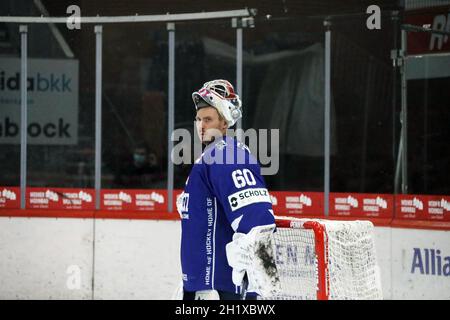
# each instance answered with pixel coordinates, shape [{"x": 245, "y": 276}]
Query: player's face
[{"x": 209, "y": 124}]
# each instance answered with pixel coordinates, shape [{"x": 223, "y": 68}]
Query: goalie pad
[
  {"x": 178, "y": 294},
  {"x": 207, "y": 295},
  {"x": 253, "y": 254}
]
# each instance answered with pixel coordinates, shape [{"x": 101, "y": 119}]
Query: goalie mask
[{"x": 220, "y": 95}]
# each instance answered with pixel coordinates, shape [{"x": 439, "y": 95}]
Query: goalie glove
[{"x": 253, "y": 254}]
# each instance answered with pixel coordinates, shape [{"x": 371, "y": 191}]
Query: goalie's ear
[{"x": 223, "y": 122}]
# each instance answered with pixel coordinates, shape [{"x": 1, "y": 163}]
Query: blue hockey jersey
[{"x": 224, "y": 193}]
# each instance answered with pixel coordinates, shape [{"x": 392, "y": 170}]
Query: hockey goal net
[{"x": 326, "y": 259}]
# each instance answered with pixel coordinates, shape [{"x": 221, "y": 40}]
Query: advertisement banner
[
  {"x": 420, "y": 264},
  {"x": 362, "y": 205},
  {"x": 52, "y": 92},
  {"x": 297, "y": 203},
  {"x": 422, "y": 207},
  {"x": 134, "y": 199},
  {"x": 60, "y": 198},
  {"x": 426, "y": 42},
  {"x": 9, "y": 197}
]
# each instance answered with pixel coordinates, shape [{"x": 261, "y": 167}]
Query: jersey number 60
[{"x": 243, "y": 178}]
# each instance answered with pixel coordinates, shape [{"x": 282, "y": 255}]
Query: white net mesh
[{"x": 352, "y": 265}]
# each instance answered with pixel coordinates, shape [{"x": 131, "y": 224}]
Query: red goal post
[{"x": 326, "y": 259}]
